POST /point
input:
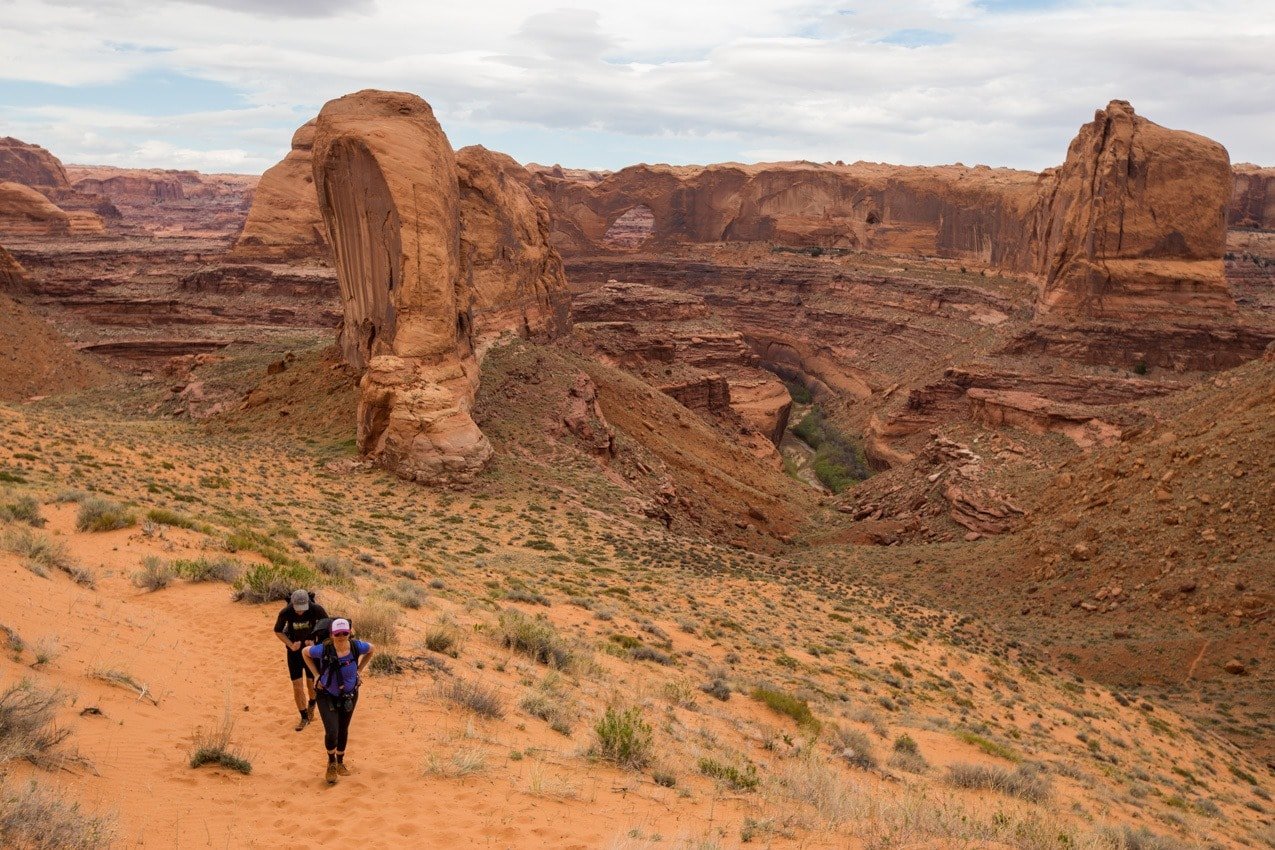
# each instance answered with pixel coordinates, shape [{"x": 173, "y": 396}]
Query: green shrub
[
  {"x": 992, "y": 748},
  {"x": 535, "y": 637},
  {"x": 740, "y": 780},
  {"x": 838, "y": 460},
  {"x": 98, "y": 514},
  {"x": 624, "y": 738},
  {"x": 787, "y": 704},
  {"x": 220, "y": 568},
  {"x": 272, "y": 582},
  {"x": 163, "y": 516},
  {"x": 155, "y": 574},
  {"x": 213, "y": 747}
]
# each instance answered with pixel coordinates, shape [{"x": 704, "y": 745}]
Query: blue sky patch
[
  {"x": 151, "y": 93},
  {"x": 917, "y": 38}
]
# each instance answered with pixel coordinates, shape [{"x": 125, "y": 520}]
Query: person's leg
[
  {"x": 296, "y": 672},
  {"x": 309, "y": 686},
  {"x": 331, "y": 730},
  {"x": 343, "y": 736}
]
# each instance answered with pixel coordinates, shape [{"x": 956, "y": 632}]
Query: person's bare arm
[
  {"x": 309, "y": 662},
  {"x": 363, "y": 659},
  {"x": 290, "y": 644}
]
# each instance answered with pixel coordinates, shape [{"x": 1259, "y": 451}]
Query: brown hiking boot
[
  {"x": 302, "y": 723},
  {"x": 341, "y": 769},
  {"x": 332, "y": 773}
]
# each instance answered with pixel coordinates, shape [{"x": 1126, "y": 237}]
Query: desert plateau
[{"x": 629, "y": 503}]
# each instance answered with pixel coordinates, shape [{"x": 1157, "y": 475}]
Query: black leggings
[{"x": 336, "y": 723}]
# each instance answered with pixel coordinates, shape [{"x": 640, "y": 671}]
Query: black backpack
[{"x": 330, "y": 662}]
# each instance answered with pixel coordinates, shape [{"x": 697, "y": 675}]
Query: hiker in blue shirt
[{"x": 336, "y": 664}]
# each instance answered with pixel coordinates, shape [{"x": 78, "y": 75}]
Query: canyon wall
[
  {"x": 1253, "y": 198},
  {"x": 284, "y": 221},
  {"x": 11, "y": 272},
  {"x": 420, "y": 298},
  {"x": 24, "y": 211},
  {"x": 33, "y": 166}
]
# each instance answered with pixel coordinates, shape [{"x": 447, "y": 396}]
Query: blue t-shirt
[{"x": 349, "y": 670}]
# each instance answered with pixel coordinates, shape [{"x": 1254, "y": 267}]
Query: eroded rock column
[{"x": 386, "y": 180}]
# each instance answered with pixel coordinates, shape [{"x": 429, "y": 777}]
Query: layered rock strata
[
  {"x": 26, "y": 212},
  {"x": 11, "y": 272},
  {"x": 387, "y": 184},
  {"x": 1252, "y": 198},
  {"x": 284, "y": 221},
  {"x": 32, "y": 165},
  {"x": 671, "y": 341}
]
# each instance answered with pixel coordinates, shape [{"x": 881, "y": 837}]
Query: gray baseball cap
[{"x": 301, "y": 600}]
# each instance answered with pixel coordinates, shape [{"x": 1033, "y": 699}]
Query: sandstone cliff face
[
  {"x": 513, "y": 274},
  {"x": 32, "y": 165},
  {"x": 169, "y": 202},
  {"x": 948, "y": 211},
  {"x": 1133, "y": 224},
  {"x": 1252, "y": 198},
  {"x": 285, "y": 221},
  {"x": 26, "y": 212},
  {"x": 11, "y": 272},
  {"x": 388, "y": 189}
]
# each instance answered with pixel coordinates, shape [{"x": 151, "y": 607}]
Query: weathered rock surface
[
  {"x": 1133, "y": 225},
  {"x": 32, "y": 165},
  {"x": 1253, "y": 197},
  {"x": 285, "y": 221},
  {"x": 386, "y": 179},
  {"x": 11, "y": 271},
  {"x": 671, "y": 341},
  {"x": 167, "y": 202},
  {"x": 24, "y": 211}
]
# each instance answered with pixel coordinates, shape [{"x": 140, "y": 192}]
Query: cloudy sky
[{"x": 219, "y": 85}]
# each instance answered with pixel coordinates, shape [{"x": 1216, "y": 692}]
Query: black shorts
[{"x": 296, "y": 665}]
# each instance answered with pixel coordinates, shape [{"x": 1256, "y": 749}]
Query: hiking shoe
[
  {"x": 309, "y": 713},
  {"x": 302, "y": 723},
  {"x": 332, "y": 773},
  {"x": 341, "y": 769}
]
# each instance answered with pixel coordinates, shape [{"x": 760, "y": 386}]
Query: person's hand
[{"x": 294, "y": 645}]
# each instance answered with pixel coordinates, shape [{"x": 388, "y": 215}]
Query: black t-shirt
[{"x": 299, "y": 626}]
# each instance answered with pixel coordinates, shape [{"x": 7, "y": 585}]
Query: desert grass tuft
[
  {"x": 535, "y": 637},
  {"x": 624, "y": 738},
  {"x": 787, "y": 704},
  {"x": 213, "y": 746},
  {"x": 155, "y": 574},
  {"x": 98, "y": 514},
  {"x": 28, "y": 728},
  {"x": 483, "y": 700},
  {"x": 36, "y": 818},
  {"x": 218, "y": 568},
  {"x": 1022, "y": 782}
]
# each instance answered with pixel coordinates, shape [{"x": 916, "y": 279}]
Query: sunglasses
[{"x": 339, "y": 634}]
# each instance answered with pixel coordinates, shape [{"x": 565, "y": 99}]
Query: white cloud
[{"x": 745, "y": 79}]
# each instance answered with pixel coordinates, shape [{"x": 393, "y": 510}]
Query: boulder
[{"x": 387, "y": 184}]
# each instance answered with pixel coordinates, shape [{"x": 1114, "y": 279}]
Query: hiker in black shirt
[{"x": 295, "y": 627}]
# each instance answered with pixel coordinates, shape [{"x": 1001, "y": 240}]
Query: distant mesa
[
  {"x": 24, "y": 211},
  {"x": 422, "y": 295},
  {"x": 33, "y": 166}
]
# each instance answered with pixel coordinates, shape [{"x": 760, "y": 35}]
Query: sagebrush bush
[
  {"x": 36, "y": 818},
  {"x": 43, "y": 553},
  {"x": 624, "y": 738},
  {"x": 407, "y": 593},
  {"x": 98, "y": 514},
  {"x": 1023, "y": 782},
  {"x": 218, "y": 568},
  {"x": 155, "y": 574},
  {"x": 551, "y": 705},
  {"x": 273, "y": 582},
  {"x": 473, "y": 696},
  {"x": 855, "y": 747},
  {"x": 535, "y": 637}
]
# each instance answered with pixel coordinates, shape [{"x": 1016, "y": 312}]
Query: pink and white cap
[{"x": 340, "y": 627}]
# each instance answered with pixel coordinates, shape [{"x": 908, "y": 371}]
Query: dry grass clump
[
  {"x": 155, "y": 574},
  {"x": 98, "y": 514},
  {"x": 812, "y": 781},
  {"x": 219, "y": 568},
  {"x": 907, "y": 755},
  {"x": 551, "y": 704},
  {"x": 27, "y": 727},
  {"x": 38, "y": 819},
  {"x": 42, "y": 553},
  {"x": 406, "y": 593},
  {"x": 376, "y": 621},
  {"x": 213, "y": 747},
  {"x": 163, "y": 516},
  {"x": 474, "y": 696},
  {"x": 744, "y": 779},
  {"x": 443, "y": 638},
  {"x": 1023, "y": 782},
  {"x": 24, "y": 509},
  {"x": 462, "y": 763},
  {"x": 855, "y": 747},
  {"x": 624, "y": 738},
  {"x": 122, "y": 679},
  {"x": 535, "y": 637}
]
